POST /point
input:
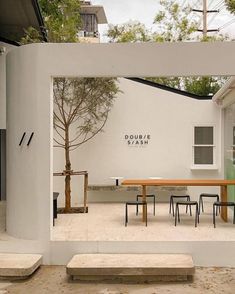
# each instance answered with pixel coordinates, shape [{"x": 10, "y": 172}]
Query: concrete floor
[
  {"x": 53, "y": 279},
  {"x": 105, "y": 222}
]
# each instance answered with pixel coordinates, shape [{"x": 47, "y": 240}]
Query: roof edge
[
  {"x": 40, "y": 19},
  {"x": 7, "y": 41},
  {"x": 170, "y": 89},
  {"x": 222, "y": 93}
]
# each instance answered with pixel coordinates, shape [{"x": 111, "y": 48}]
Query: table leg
[
  {"x": 144, "y": 200},
  {"x": 224, "y": 198}
]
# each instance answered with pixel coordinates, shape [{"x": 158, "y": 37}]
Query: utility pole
[
  {"x": 204, "y": 12},
  {"x": 204, "y": 18}
]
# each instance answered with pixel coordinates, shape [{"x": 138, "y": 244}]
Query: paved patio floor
[{"x": 105, "y": 222}]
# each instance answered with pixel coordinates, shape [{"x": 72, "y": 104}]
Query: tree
[
  {"x": 81, "y": 104},
  {"x": 129, "y": 32},
  {"x": 62, "y": 22},
  {"x": 172, "y": 24},
  {"x": 85, "y": 104},
  {"x": 230, "y": 4},
  {"x": 203, "y": 86}
]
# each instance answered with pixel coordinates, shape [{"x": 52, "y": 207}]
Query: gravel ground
[{"x": 53, "y": 279}]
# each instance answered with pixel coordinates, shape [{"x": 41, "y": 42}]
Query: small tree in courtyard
[{"x": 81, "y": 108}]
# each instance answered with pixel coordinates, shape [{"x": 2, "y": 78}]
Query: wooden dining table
[{"x": 144, "y": 183}]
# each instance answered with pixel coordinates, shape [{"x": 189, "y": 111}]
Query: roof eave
[
  {"x": 97, "y": 10},
  {"x": 223, "y": 92}
]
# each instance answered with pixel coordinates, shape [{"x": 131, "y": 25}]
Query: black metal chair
[
  {"x": 147, "y": 196},
  {"x": 136, "y": 203},
  {"x": 55, "y": 196},
  {"x": 190, "y": 203},
  {"x": 219, "y": 204},
  {"x": 173, "y": 197},
  {"x": 206, "y": 195}
]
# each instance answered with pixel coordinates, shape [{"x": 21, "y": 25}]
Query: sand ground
[{"x": 53, "y": 279}]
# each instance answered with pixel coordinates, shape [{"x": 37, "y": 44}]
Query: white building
[{"x": 173, "y": 122}]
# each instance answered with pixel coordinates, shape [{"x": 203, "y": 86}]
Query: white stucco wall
[
  {"x": 7, "y": 47},
  {"x": 141, "y": 109},
  {"x": 29, "y": 108}
]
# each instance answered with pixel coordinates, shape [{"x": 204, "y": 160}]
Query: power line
[
  {"x": 227, "y": 24},
  {"x": 219, "y": 4},
  {"x": 204, "y": 12}
]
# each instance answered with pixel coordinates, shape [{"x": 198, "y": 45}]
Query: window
[
  {"x": 89, "y": 23},
  {"x": 203, "y": 146}
]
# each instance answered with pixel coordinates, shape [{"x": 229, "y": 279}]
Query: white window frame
[{"x": 204, "y": 166}]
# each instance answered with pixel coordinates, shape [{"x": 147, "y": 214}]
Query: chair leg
[
  {"x": 126, "y": 217},
  {"x": 219, "y": 206},
  {"x": 190, "y": 210},
  {"x": 173, "y": 208},
  {"x": 146, "y": 214},
  {"x": 199, "y": 208},
  {"x": 154, "y": 203},
  {"x": 196, "y": 215},
  {"x": 188, "y": 199},
  {"x": 214, "y": 214},
  {"x": 137, "y": 207},
  {"x": 202, "y": 205},
  {"x": 176, "y": 214},
  {"x": 198, "y": 220},
  {"x": 170, "y": 204}
]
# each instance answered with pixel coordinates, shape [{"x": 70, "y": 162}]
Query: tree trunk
[{"x": 68, "y": 170}]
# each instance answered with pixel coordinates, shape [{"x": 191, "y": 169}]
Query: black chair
[
  {"x": 136, "y": 203},
  {"x": 55, "y": 196},
  {"x": 190, "y": 203},
  {"x": 206, "y": 195},
  {"x": 219, "y": 204},
  {"x": 173, "y": 197},
  {"x": 147, "y": 196}
]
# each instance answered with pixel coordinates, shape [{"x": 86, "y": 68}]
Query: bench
[
  {"x": 18, "y": 266},
  {"x": 131, "y": 267}
]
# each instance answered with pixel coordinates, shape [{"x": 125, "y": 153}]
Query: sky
[{"x": 121, "y": 11}]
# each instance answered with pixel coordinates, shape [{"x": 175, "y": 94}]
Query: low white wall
[
  {"x": 212, "y": 253},
  {"x": 168, "y": 118}
]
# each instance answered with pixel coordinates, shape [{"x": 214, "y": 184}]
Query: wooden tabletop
[{"x": 179, "y": 182}]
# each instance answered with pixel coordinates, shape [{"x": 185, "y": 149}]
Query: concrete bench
[
  {"x": 18, "y": 266},
  {"x": 131, "y": 267}
]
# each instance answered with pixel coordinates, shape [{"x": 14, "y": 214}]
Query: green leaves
[
  {"x": 230, "y": 4},
  {"x": 173, "y": 23},
  {"x": 62, "y": 22},
  {"x": 84, "y": 102},
  {"x": 129, "y": 32}
]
